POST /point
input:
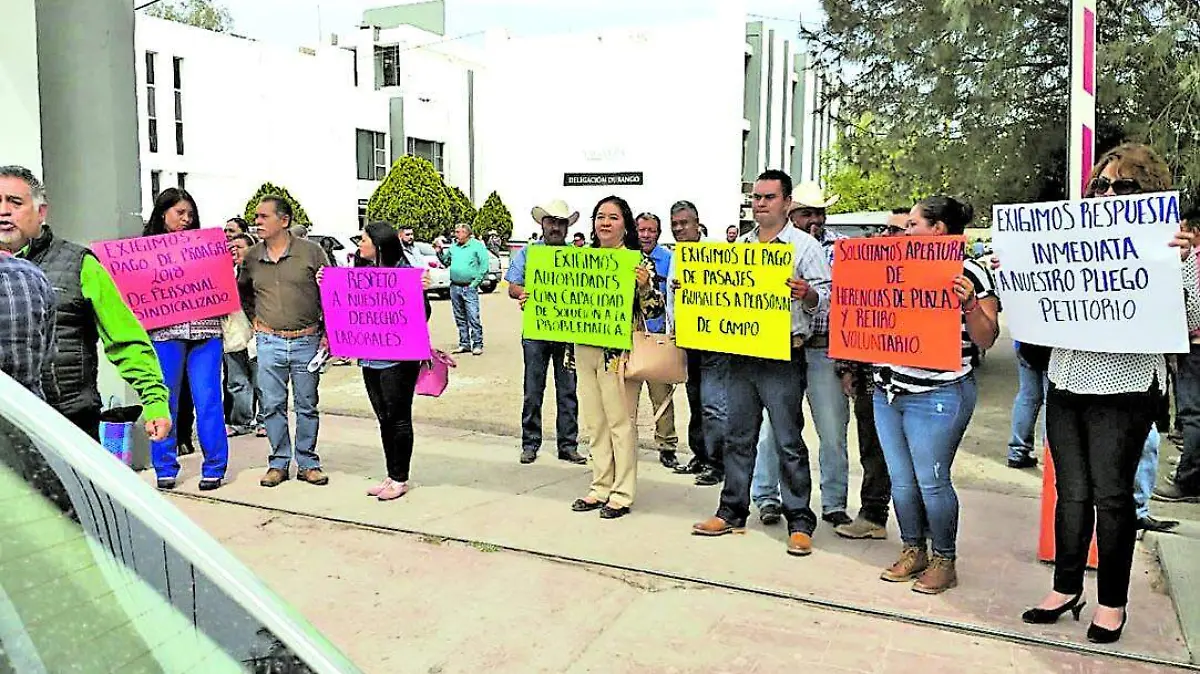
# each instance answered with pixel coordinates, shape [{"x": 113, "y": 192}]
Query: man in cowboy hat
[
  {"x": 826, "y": 397},
  {"x": 555, "y": 218}
]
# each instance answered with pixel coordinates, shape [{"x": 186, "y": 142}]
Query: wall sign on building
[{"x": 593, "y": 179}]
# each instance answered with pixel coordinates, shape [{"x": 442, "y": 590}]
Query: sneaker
[
  {"x": 1023, "y": 461},
  {"x": 770, "y": 513},
  {"x": 460, "y": 350},
  {"x": 1171, "y": 493},
  {"x": 374, "y": 491},
  {"x": 478, "y": 351},
  {"x": 211, "y": 483},
  {"x": 912, "y": 562},
  {"x": 837, "y": 518},
  {"x": 393, "y": 491},
  {"x": 938, "y": 577},
  {"x": 528, "y": 456},
  {"x": 861, "y": 529}
]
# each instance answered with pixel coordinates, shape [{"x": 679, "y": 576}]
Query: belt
[
  {"x": 259, "y": 326},
  {"x": 817, "y": 342}
]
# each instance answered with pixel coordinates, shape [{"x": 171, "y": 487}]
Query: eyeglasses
[{"x": 1121, "y": 186}]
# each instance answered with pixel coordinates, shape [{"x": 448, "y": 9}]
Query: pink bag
[{"x": 435, "y": 374}]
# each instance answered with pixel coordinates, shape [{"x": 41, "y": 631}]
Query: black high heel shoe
[
  {"x": 1047, "y": 616},
  {"x": 1099, "y": 635}
]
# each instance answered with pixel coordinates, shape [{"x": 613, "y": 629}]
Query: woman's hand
[
  {"x": 965, "y": 291},
  {"x": 426, "y": 280},
  {"x": 320, "y": 275},
  {"x": 643, "y": 277},
  {"x": 1184, "y": 241},
  {"x": 994, "y": 262}
]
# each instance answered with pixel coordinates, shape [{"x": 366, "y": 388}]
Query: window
[
  {"x": 387, "y": 66},
  {"x": 154, "y": 135},
  {"x": 182, "y": 180},
  {"x": 428, "y": 149},
  {"x": 150, "y": 67},
  {"x": 362, "y": 213},
  {"x": 151, "y": 104},
  {"x": 177, "y": 64},
  {"x": 178, "y": 137},
  {"x": 155, "y": 184},
  {"x": 372, "y": 155}
]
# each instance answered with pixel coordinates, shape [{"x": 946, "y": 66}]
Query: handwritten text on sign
[
  {"x": 378, "y": 314},
  {"x": 1092, "y": 274},
  {"x": 173, "y": 278},
  {"x": 580, "y": 295},
  {"x": 734, "y": 298},
  {"x": 893, "y": 301}
]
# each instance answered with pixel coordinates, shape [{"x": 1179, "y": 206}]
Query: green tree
[
  {"x": 461, "y": 208},
  {"x": 970, "y": 97},
  {"x": 494, "y": 215},
  {"x": 412, "y": 195},
  {"x": 299, "y": 216},
  {"x": 206, "y": 14}
]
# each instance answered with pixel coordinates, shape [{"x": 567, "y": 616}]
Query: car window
[
  {"x": 424, "y": 248},
  {"x": 100, "y": 573},
  {"x": 329, "y": 242}
]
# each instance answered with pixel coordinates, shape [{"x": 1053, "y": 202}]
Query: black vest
[{"x": 70, "y": 382}]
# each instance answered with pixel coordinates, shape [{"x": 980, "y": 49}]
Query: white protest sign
[{"x": 1093, "y": 274}]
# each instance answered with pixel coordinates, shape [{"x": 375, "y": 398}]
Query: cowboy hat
[
  {"x": 810, "y": 195},
  {"x": 555, "y": 209}
]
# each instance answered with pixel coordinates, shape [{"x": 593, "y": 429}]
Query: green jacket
[{"x": 467, "y": 262}]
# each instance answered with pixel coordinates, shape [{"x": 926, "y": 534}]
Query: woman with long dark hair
[
  {"x": 922, "y": 414},
  {"x": 194, "y": 348},
  {"x": 1099, "y": 411},
  {"x": 604, "y": 406},
  {"x": 391, "y": 384}
]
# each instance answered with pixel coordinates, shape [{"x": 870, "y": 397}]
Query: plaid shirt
[
  {"x": 26, "y": 322},
  {"x": 828, "y": 241}
]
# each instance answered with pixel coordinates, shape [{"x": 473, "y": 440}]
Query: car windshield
[{"x": 100, "y": 573}]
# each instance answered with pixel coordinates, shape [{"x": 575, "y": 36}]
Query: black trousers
[
  {"x": 1096, "y": 442},
  {"x": 391, "y": 393},
  {"x": 876, "y": 491}
]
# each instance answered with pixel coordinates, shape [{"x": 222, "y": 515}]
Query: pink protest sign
[
  {"x": 173, "y": 278},
  {"x": 374, "y": 313}
]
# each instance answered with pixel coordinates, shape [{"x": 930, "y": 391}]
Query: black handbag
[{"x": 1036, "y": 355}]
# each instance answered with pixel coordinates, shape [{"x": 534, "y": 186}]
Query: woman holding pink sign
[{"x": 195, "y": 348}]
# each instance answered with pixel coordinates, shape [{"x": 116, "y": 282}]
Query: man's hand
[
  {"x": 848, "y": 384},
  {"x": 521, "y": 299},
  {"x": 158, "y": 429},
  {"x": 1184, "y": 240},
  {"x": 320, "y": 275},
  {"x": 676, "y": 284},
  {"x": 802, "y": 291},
  {"x": 324, "y": 341},
  {"x": 643, "y": 277}
]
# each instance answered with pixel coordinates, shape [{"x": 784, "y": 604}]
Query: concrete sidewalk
[{"x": 470, "y": 486}]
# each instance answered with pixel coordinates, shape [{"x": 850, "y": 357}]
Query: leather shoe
[
  {"x": 693, "y": 467},
  {"x": 528, "y": 456},
  {"x": 837, "y": 518},
  {"x": 572, "y": 457},
  {"x": 1148, "y": 523},
  {"x": 1171, "y": 493},
  {"x": 313, "y": 476},
  {"x": 709, "y": 478},
  {"x": 1025, "y": 461},
  {"x": 274, "y": 478},
  {"x": 769, "y": 514},
  {"x": 799, "y": 544},
  {"x": 715, "y": 526},
  {"x": 668, "y": 459}
]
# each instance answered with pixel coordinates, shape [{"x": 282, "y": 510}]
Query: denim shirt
[{"x": 661, "y": 271}]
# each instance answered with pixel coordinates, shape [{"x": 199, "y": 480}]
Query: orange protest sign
[{"x": 893, "y": 301}]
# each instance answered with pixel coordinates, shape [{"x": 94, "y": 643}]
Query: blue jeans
[
  {"x": 831, "y": 414},
  {"x": 242, "y": 390},
  {"x": 1031, "y": 393},
  {"x": 708, "y": 374},
  {"x": 1147, "y": 474},
  {"x": 920, "y": 434},
  {"x": 755, "y": 385},
  {"x": 281, "y": 359},
  {"x": 539, "y": 356},
  {"x": 202, "y": 360},
  {"x": 1187, "y": 395},
  {"x": 464, "y": 300}
]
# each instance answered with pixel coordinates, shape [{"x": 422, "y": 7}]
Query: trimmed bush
[
  {"x": 494, "y": 215},
  {"x": 299, "y": 216},
  {"x": 412, "y": 195},
  {"x": 461, "y": 208}
]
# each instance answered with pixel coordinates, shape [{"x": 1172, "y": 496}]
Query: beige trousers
[
  {"x": 604, "y": 415},
  {"x": 665, "y": 437}
]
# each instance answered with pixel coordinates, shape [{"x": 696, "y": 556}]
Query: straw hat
[{"x": 555, "y": 209}]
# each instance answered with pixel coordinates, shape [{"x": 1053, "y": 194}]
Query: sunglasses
[{"x": 1121, "y": 187}]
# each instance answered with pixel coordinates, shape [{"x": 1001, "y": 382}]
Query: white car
[{"x": 439, "y": 275}]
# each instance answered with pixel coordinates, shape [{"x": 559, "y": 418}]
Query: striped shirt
[
  {"x": 828, "y": 241},
  {"x": 900, "y": 379},
  {"x": 26, "y": 322},
  {"x": 810, "y": 264}
]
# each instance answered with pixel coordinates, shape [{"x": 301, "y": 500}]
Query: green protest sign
[{"x": 580, "y": 295}]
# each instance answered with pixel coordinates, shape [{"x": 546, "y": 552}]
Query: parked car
[
  {"x": 340, "y": 248},
  {"x": 439, "y": 275},
  {"x": 101, "y": 573},
  {"x": 491, "y": 280}
]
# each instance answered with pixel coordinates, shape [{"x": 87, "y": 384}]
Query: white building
[{"x": 656, "y": 113}]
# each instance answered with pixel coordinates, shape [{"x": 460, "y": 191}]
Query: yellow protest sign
[{"x": 734, "y": 298}]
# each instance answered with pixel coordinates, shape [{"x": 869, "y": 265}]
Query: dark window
[
  {"x": 178, "y": 105},
  {"x": 153, "y": 127},
  {"x": 151, "y": 106},
  {"x": 362, "y": 213},
  {"x": 150, "y": 67},
  {"x": 182, "y": 180},
  {"x": 178, "y": 137},
  {"x": 428, "y": 149},
  {"x": 177, "y": 63},
  {"x": 371, "y": 152},
  {"x": 155, "y": 184},
  {"x": 387, "y": 66}
]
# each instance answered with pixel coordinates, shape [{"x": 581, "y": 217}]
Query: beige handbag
[
  {"x": 654, "y": 358},
  {"x": 237, "y": 332}
]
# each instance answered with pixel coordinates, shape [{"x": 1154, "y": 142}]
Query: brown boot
[
  {"x": 274, "y": 478},
  {"x": 912, "y": 562},
  {"x": 313, "y": 476},
  {"x": 939, "y": 577},
  {"x": 715, "y": 526}
]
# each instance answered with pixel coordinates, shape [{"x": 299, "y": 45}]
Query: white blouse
[{"x": 1093, "y": 373}]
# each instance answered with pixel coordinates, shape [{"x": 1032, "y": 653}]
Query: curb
[{"x": 1178, "y": 554}]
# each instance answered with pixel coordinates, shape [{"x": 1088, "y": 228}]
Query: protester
[
  {"x": 1144, "y": 479},
  {"x": 235, "y": 227},
  {"x": 708, "y": 373},
  {"x": 26, "y": 318},
  {"x": 555, "y": 218},
  {"x": 827, "y": 400},
  {"x": 603, "y": 399},
  {"x": 579, "y": 240},
  {"x": 241, "y": 388},
  {"x": 89, "y": 310},
  {"x": 731, "y": 233},
  {"x": 467, "y": 259},
  {"x": 921, "y": 416},
  {"x": 391, "y": 384},
  {"x": 280, "y": 274},
  {"x": 194, "y": 347},
  {"x": 1027, "y": 405},
  {"x": 759, "y": 384},
  {"x": 1099, "y": 411},
  {"x": 657, "y": 259}
]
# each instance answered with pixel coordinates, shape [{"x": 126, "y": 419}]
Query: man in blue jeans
[
  {"x": 280, "y": 275},
  {"x": 555, "y": 218},
  {"x": 467, "y": 259},
  {"x": 1027, "y": 405}
]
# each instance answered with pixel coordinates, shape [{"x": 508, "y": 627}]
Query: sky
[{"x": 309, "y": 22}]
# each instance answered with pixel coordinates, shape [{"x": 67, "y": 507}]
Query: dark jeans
[
  {"x": 538, "y": 357},
  {"x": 708, "y": 375},
  {"x": 185, "y": 425},
  {"x": 1187, "y": 397},
  {"x": 1096, "y": 442},
  {"x": 241, "y": 391},
  {"x": 876, "y": 491},
  {"x": 778, "y": 387},
  {"x": 391, "y": 393},
  {"x": 87, "y": 421}
]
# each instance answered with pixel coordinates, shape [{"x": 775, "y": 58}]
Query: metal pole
[{"x": 1083, "y": 95}]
